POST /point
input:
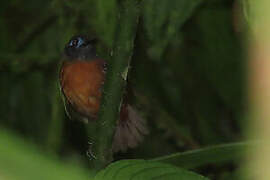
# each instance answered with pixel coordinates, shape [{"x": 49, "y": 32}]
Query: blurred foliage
[
  {"x": 187, "y": 72},
  {"x": 162, "y": 21},
  {"x": 21, "y": 160},
  {"x": 141, "y": 169}
]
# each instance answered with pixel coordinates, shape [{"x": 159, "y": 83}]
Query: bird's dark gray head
[{"x": 80, "y": 47}]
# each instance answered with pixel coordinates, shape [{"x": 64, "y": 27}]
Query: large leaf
[
  {"x": 19, "y": 160},
  {"x": 215, "y": 154},
  {"x": 143, "y": 169}
]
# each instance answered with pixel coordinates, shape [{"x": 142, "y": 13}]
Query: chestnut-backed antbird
[{"x": 81, "y": 79}]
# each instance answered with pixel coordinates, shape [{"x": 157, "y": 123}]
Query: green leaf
[
  {"x": 216, "y": 154},
  {"x": 255, "y": 12},
  {"x": 162, "y": 20},
  {"x": 106, "y": 20},
  {"x": 20, "y": 160},
  {"x": 219, "y": 56},
  {"x": 144, "y": 169}
]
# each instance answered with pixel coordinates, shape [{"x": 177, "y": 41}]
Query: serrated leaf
[{"x": 144, "y": 169}]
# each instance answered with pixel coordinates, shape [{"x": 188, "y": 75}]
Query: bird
[{"x": 81, "y": 78}]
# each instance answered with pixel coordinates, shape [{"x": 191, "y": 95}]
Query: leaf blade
[
  {"x": 144, "y": 169},
  {"x": 215, "y": 154}
]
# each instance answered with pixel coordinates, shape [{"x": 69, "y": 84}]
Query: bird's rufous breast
[{"x": 82, "y": 83}]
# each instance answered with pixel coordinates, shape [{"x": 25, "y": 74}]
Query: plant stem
[
  {"x": 56, "y": 125},
  {"x": 115, "y": 83}
]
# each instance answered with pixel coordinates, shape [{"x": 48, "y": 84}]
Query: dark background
[{"x": 187, "y": 74}]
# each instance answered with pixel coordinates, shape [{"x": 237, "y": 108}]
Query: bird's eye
[
  {"x": 73, "y": 43},
  {"x": 76, "y": 42},
  {"x": 80, "y": 42}
]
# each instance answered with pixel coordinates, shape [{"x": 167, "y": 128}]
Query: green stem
[
  {"x": 115, "y": 83},
  {"x": 56, "y": 125}
]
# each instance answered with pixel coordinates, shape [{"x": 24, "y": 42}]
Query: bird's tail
[{"x": 130, "y": 129}]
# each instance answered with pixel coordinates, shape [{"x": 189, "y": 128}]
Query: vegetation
[{"x": 184, "y": 63}]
